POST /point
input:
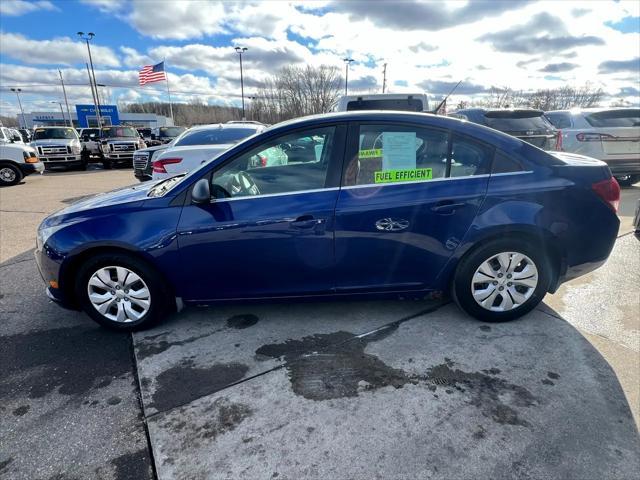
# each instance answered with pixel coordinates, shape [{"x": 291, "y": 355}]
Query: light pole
[
  {"x": 66, "y": 101},
  {"x": 86, "y": 38},
  {"x": 61, "y": 111},
  {"x": 240, "y": 51},
  {"x": 384, "y": 78},
  {"x": 17, "y": 92},
  {"x": 347, "y": 61}
]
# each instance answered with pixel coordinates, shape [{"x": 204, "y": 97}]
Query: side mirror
[{"x": 201, "y": 192}]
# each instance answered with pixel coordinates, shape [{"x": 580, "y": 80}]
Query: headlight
[{"x": 75, "y": 147}]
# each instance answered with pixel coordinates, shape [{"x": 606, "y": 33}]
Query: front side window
[{"x": 286, "y": 164}]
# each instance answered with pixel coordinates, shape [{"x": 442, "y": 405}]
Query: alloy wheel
[
  {"x": 504, "y": 281},
  {"x": 119, "y": 294},
  {"x": 7, "y": 175}
]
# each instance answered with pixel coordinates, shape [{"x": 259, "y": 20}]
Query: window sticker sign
[
  {"x": 399, "y": 150},
  {"x": 410, "y": 175},
  {"x": 370, "y": 153}
]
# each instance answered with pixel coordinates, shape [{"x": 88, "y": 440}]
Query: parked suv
[
  {"x": 58, "y": 146},
  {"x": 16, "y": 160},
  {"x": 166, "y": 134},
  {"x": 526, "y": 124},
  {"x": 117, "y": 145},
  {"x": 608, "y": 134}
]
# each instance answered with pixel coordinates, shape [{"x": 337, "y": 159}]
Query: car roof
[{"x": 578, "y": 111}]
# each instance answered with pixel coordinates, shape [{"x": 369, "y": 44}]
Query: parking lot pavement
[
  {"x": 435, "y": 394},
  {"x": 313, "y": 389}
]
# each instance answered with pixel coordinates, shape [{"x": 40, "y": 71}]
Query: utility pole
[
  {"x": 93, "y": 94},
  {"x": 347, "y": 62},
  {"x": 17, "y": 92},
  {"x": 240, "y": 51},
  {"x": 384, "y": 77},
  {"x": 61, "y": 112},
  {"x": 86, "y": 38},
  {"x": 66, "y": 102}
]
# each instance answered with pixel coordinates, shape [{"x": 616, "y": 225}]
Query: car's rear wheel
[
  {"x": 9, "y": 175},
  {"x": 121, "y": 292},
  {"x": 502, "y": 280}
]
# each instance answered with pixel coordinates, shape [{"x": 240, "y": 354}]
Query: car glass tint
[
  {"x": 215, "y": 136},
  {"x": 402, "y": 104},
  {"x": 469, "y": 157},
  {"x": 508, "y": 121},
  {"x": 290, "y": 163},
  {"x": 48, "y": 133},
  {"x": 559, "y": 120},
  {"x": 615, "y": 118},
  {"x": 393, "y": 154},
  {"x": 502, "y": 163},
  {"x": 171, "y": 131}
]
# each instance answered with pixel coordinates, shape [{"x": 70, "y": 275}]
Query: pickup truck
[
  {"x": 118, "y": 144},
  {"x": 58, "y": 146},
  {"x": 16, "y": 160}
]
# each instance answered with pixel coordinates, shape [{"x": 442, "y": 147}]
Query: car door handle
[
  {"x": 446, "y": 207},
  {"x": 307, "y": 221}
]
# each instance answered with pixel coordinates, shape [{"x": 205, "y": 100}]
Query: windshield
[
  {"x": 509, "y": 121},
  {"x": 215, "y": 136},
  {"x": 47, "y": 133},
  {"x": 120, "y": 132},
  {"x": 171, "y": 131}
]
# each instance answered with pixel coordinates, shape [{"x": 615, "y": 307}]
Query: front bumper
[
  {"x": 49, "y": 271},
  {"x": 29, "y": 168}
]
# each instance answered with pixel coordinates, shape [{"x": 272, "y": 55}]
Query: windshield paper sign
[{"x": 414, "y": 174}]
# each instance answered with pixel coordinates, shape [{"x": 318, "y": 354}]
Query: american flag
[{"x": 152, "y": 73}]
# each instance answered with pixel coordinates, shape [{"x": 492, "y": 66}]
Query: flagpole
[{"x": 166, "y": 76}]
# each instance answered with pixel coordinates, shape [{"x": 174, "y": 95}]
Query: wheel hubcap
[
  {"x": 504, "y": 282},
  {"x": 7, "y": 175},
  {"x": 119, "y": 294}
]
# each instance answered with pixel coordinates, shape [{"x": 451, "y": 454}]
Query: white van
[{"x": 406, "y": 102}]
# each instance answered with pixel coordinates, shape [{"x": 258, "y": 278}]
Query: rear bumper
[{"x": 624, "y": 167}]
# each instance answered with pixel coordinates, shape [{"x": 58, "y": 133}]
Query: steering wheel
[{"x": 240, "y": 184}]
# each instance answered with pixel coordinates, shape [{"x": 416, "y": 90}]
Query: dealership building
[{"x": 84, "y": 116}]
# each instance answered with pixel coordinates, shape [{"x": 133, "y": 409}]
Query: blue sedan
[{"x": 360, "y": 204}]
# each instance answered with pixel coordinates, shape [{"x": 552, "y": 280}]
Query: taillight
[
  {"x": 158, "y": 165},
  {"x": 609, "y": 191},
  {"x": 594, "y": 137},
  {"x": 559, "y": 141}
]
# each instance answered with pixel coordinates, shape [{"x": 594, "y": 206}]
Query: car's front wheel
[
  {"x": 502, "y": 280},
  {"x": 9, "y": 175},
  {"x": 121, "y": 292}
]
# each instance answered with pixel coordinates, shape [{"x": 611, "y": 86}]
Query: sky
[{"x": 427, "y": 46}]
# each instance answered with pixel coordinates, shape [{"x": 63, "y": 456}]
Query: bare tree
[{"x": 196, "y": 112}]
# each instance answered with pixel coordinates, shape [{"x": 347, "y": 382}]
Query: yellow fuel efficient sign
[{"x": 416, "y": 174}]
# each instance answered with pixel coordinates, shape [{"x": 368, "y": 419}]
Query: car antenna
[{"x": 435, "y": 112}]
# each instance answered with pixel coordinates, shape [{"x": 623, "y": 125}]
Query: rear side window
[
  {"x": 559, "y": 119},
  {"x": 469, "y": 157},
  {"x": 629, "y": 117},
  {"x": 503, "y": 163}
]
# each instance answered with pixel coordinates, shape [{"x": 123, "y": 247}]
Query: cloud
[
  {"x": 614, "y": 66},
  {"x": 363, "y": 84},
  {"x": 64, "y": 50},
  {"x": 422, "y": 47},
  {"x": 438, "y": 87},
  {"x": 527, "y": 38},
  {"x": 15, "y": 8},
  {"x": 629, "y": 92},
  {"x": 416, "y": 15},
  {"x": 558, "y": 67}
]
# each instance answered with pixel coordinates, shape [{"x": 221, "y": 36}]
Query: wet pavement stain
[
  {"x": 186, "y": 382},
  {"x": 62, "y": 359},
  {"x": 242, "y": 321},
  {"x": 488, "y": 392},
  {"x": 133, "y": 465},
  {"x": 226, "y": 416},
  {"x": 334, "y": 365},
  {"x": 146, "y": 348}
]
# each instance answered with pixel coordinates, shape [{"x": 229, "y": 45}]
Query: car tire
[
  {"x": 104, "y": 286},
  {"x": 502, "y": 297},
  {"x": 628, "y": 180},
  {"x": 84, "y": 160},
  {"x": 9, "y": 175}
]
